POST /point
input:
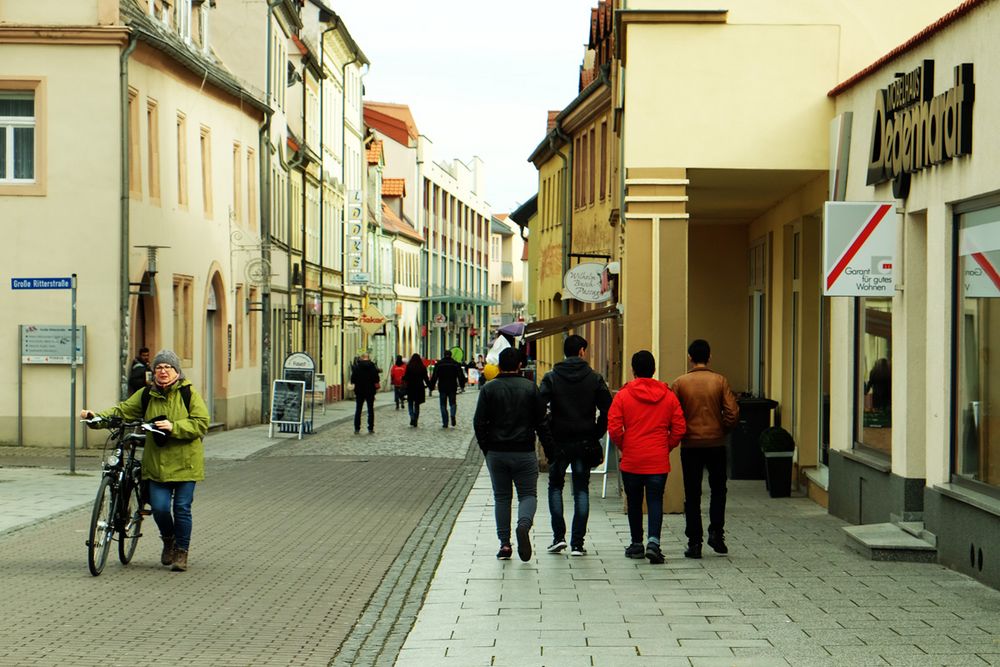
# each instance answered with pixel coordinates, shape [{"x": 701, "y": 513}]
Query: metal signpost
[{"x": 52, "y": 348}]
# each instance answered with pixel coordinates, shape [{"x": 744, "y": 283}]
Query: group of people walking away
[{"x": 570, "y": 413}]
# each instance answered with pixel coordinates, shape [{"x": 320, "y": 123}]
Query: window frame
[{"x": 37, "y": 185}]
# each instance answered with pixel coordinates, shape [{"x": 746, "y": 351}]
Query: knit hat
[{"x": 170, "y": 358}]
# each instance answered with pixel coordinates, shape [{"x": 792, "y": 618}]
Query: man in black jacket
[
  {"x": 508, "y": 416},
  {"x": 365, "y": 379},
  {"x": 578, "y": 400},
  {"x": 448, "y": 376},
  {"x": 139, "y": 373}
]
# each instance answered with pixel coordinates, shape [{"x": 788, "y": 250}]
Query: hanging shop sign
[
  {"x": 356, "y": 274},
  {"x": 913, "y": 129},
  {"x": 586, "y": 282},
  {"x": 859, "y": 247},
  {"x": 371, "y": 320}
]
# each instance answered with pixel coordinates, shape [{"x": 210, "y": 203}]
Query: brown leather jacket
[{"x": 709, "y": 406}]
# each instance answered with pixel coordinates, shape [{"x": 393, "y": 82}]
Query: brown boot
[
  {"x": 180, "y": 560},
  {"x": 167, "y": 557}
]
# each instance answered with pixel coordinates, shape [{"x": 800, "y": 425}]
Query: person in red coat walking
[{"x": 645, "y": 422}]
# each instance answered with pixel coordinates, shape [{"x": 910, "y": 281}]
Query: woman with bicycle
[{"x": 172, "y": 464}]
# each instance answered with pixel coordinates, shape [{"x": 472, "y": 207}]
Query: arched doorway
[{"x": 215, "y": 350}]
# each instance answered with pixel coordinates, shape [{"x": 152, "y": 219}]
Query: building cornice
[
  {"x": 73, "y": 35},
  {"x": 627, "y": 17}
]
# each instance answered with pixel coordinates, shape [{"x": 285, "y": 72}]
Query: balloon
[
  {"x": 491, "y": 371},
  {"x": 458, "y": 354}
]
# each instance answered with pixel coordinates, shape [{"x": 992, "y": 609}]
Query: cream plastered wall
[
  {"x": 923, "y": 409},
  {"x": 59, "y": 12},
  {"x": 866, "y": 29},
  {"x": 200, "y": 245},
  {"x": 545, "y": 254},
  {"x": 71, "y": 228}
]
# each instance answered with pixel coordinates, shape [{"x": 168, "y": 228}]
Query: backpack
[{"x": 185, "y": 395}]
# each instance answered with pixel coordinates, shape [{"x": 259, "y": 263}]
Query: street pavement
[{"x": 347, "y": 549}]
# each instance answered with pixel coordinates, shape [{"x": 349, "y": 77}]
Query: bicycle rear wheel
[
  {"x": 129, "y": 536},
  {"x": 102, "y": 525}
]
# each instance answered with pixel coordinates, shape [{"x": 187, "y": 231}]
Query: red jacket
[
  {"x": 645, "y": 422},
  {"x": 396, "y": 375}
]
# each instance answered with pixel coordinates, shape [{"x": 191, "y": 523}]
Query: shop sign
[
  {"x": 859, "y": 247},
  {"x": 913, "y": 129},
  {"x": 356, "y": 274},
  {"x": 979, "y": 247},
  {"x": 371, "y": 319},
  {"x": 586, "y": 282}
]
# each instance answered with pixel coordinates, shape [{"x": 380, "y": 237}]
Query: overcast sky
[{"x": 478, "y": 75}]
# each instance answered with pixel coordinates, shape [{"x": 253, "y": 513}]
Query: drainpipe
[
  {"x": 322, "y": 183},
  {"x": 123, "y": 263},
  {"x": 305, "y": 189},
  {"x": 567, "y": 222},
  {"x": 295, "y": 163},
  {"x": 343, "y": 227}
]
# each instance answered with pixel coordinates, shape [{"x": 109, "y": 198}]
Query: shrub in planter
[{"x": 778, "y": 447}]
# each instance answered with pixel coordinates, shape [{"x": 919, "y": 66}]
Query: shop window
[
  {"x": 977, "y": 338},
  {"x": 873, "y": 375}
]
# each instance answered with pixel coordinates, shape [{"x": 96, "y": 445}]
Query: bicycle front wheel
[
  {"x": 128, "y": 539},
  {"x": 102, "y": 525}
]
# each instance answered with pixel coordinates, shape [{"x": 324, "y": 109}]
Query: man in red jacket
[
  {"x": 645, "y": 422},
  {"x": 711, "y": 411}
]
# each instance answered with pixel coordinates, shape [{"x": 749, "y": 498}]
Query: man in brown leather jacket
[{"x": 711, "y": 411}]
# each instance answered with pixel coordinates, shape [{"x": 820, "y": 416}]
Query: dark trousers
[
  {"x": 358, "y": 402},
  {"x": 580, "y": 480},
  {"x": 694, "y": 460},
  {"x": 447, "y": 399},
  {"x": 652, "y": 487}
]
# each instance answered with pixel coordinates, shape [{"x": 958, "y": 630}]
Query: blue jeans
[
  {"x": 447, "y": 399},
  {"x": 414, "y": 409},
  {"x": 179, "y": 495},
  {"x": 519, "y": 469},
  {"x": 653, "y": 486},
  {"x": 581, "y": 498}
]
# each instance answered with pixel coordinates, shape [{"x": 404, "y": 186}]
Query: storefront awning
[{"x": 556, "y": 325}]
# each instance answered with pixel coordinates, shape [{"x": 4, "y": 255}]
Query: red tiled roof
[
  {"x": 393, "y": 223},
  {"x": 392, "y": 120},
  {"x": 524, "y": 252},
  {"x": 550, "y": 122},
  {"x": 909, "y": 44},
  {"x": 303, "y": 49},
  {"x": 374, "y": 152},
  {"x": 393, "y": 187}
]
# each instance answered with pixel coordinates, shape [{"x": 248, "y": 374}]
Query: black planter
[{"x": 778, "y": 466}]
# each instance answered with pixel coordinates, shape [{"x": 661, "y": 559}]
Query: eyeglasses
[{"x": 160, "y": 369}]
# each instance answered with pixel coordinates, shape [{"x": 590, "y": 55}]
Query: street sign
[
  {"x": 371, "y": 319},
  {"x": 50, "y": 344},
  {"x": 859, "y": 247},
  {"x": 41, "y": 283}
]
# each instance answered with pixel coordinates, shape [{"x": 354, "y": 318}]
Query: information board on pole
[
  {"x": 50, "y": 343},
  {"x": 859, "y": 248},
  {"x": 287, "y": 404}
]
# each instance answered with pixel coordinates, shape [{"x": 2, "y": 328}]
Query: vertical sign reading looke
[
  {"x": 355, "y": 239},
  {"x": 859, "y": 248}
]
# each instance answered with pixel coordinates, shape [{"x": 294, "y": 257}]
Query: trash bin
[{"x": 745, "y": 458}]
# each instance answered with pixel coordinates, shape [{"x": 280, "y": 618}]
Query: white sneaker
[{"x": 577, "y": 551}]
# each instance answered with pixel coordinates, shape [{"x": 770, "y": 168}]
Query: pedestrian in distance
[
  {"x": 509, "y": 416},
  {"x": 396, "y": 377},
  {"x": 646, "y": 423},
  {"x": 365, "y": 378},
  {"x": 416, "y": 380},
  {"x": 577, "y": 399},
  {"x": 447, "y": 378},
  {"x": 172, "y": 464},
  {"x": 480, "y": 367},
  {"x": 140, "y": 375},
  {"x": 711, "y": 411}
]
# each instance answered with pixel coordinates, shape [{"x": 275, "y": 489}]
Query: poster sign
[
  {"x": 979, "y": 249},
  {"x": 859, "y": 248},
  {"x": 50, "y": 344},
  {"x": 585, "y": 282},
  {"x": 287, "y": 404},
  {"x": 371, "y": 319}
]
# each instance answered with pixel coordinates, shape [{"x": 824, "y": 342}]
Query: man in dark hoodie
[
  {"x": 578, "y": 400},
  {"x": 448, "y": 376},
  {"x": 365, "y": 379}
]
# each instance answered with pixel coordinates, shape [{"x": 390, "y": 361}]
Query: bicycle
[{"x": 118, "y": 507}]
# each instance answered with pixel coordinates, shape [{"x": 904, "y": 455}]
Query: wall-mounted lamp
[{"x": 148, "y": 287}]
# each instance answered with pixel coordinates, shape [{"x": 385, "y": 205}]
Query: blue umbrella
[{"x": 513, "y": 329}]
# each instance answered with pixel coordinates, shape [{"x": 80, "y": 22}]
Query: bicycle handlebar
[{"x": 119, "y": 422}]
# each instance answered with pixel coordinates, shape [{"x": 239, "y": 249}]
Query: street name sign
[{"x": 41, "y": 283}]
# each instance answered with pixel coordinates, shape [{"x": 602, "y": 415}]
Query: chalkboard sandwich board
[{"x": 287, "y": 404}]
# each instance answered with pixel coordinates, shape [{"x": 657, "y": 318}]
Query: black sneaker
[
  {"x": 577, "y": 551},
  {"x": 452, "y": 421},
  {"x": 693, "y": 550},
  {"x": 523, "y": 542},
  {"x": 654, "y": 554},
  {"x": 557, "y": 546},
  {"x": 718, "y": 543},
  {"x": 505, "y": 552},
  {"x": 635, "y": 550}
]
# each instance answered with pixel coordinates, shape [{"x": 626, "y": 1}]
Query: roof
[
  {"x": 374, "y": 152},
  {"x": 523, "y": 213},
  {"x": 908, "y": 45},
  {"x": 327, "y": 15},
  {"x": 497, "y": 226},
  {"x": 393, "y": 187},
  {"x": 524, "y": 251},
  {"x": 392, "y": 223},
  {"x": 393, "y": 120}
]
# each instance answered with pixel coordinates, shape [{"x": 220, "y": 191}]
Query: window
[
  {"x": 873, "y": 374},
  {"x": 184, "y": 318},
  {"x": 238, "y": 329},
  {"x": 977, "y": 337},
  {"x": 17, "y": 136},
  {"x": 237, "y": 184},
  {"x": 134, "y": 155},
  {"x": 590, "y": 169},
  {"x": 182, "y": 185},
  {"x": 251, "y": 188},
  {"x": 153, "y": 148},
  {"x": 206, "y": 170},
  {"x": 604, "y": 159},
  {"x": 577, "y": 172}
]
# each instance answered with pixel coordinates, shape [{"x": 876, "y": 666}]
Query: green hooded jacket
[{"x": 182, "y": 459}]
